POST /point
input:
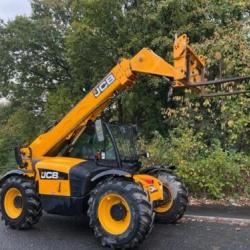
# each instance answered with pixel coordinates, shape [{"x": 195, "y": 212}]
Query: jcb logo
[
  {"x": 49, "y": 175},
  {"x": 107, "y": 81}
]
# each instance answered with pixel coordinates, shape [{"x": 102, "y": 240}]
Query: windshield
[
  {"x": 88, "y": 146},
  {"x": 125, "y": 138}
]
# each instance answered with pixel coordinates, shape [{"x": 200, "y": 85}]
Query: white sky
[{"x": 10, "y": 8}]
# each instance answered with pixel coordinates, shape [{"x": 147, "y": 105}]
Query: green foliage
[
  {"x": 32, "y": 58},
  {"x": 58, "y": 103},
  {"x": 225, "y": 119},
  {"x": 18, "y": 129},
  {"x": 207, "y": 171}
]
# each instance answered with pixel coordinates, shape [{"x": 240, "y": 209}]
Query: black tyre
[
  {"x": 175, "y": 200},
  {"x": 20, "y": 205},
  {"x": 120, "y": 213}
]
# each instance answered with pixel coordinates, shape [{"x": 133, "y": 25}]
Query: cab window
[{"x": 88, "y": 147}]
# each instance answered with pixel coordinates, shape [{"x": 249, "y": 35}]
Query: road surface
[{"x": 61, "y": 233}]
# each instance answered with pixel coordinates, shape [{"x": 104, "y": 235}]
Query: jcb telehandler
[{"x": 84, "y": 164}]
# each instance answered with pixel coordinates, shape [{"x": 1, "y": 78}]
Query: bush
[
  {"x": 18, "y": 129},
  {"x": 207, "y": 171}
]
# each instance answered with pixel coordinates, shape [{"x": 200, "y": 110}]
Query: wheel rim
[
  {"x": 114, "y": 213},
  {"x": 163, "y": 208},
  {"x": 13, "y": 203}
]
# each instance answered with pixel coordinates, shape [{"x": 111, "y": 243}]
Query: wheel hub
[
  {"x": 118, "y": 212},
  {"x": 166, "y": 204},
  {"x": 13, "y": 203},
  {"x": 166, "y": 197},
  {"x": 18, "y": 202}
]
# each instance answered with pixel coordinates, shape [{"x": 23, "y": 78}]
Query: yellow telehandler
[{"x": 83, "y": 164}]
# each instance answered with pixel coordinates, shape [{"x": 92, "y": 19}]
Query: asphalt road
[{"x": 55, "y": 232}]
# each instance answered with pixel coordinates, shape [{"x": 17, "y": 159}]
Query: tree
[
  {"x": 33, "y": 61},
  {"x": 68, "y": 45}
]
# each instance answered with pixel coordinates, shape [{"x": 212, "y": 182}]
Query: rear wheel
[
  {"x": 120, "y": 213},
  {"x": 174, "y": 205},
  {"x": 20, "y": 204}
]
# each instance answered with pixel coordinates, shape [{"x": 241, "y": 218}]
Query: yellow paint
[
  {"x": 11, "y": 210},
  {"x": 147, "y": 62},
  {"x": 55, "y": 187},
  {"x": 107, "y": 222},
  {"x": 151, "y": 185},
  {"x": 187, "y": 62},
  {"x": 165, "y": 207}
]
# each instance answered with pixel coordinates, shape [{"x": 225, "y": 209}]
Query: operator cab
[{"x": 108, "y": 144}]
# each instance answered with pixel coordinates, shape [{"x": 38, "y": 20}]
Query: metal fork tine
[{"x": 225, "y": 93}]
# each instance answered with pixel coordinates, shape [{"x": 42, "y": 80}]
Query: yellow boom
[{"x": 188, "y": 68}]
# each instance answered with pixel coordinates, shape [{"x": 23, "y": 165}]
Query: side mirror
[
  {"x": 145, "y": 154},
  {"x": 18, "y": 157},
  {"x": 99, "y": 130},
  {"x": 100, "y": 155}
]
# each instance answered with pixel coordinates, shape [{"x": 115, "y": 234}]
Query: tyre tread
[
  {"x": 33, "y": 213},
  {"x": 180, "y": 202},
  {"x": 145, "y": 210}
]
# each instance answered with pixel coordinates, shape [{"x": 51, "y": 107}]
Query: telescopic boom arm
[
  {"x": 186, "y": 71},
  {"x": 121, "y": 77}
]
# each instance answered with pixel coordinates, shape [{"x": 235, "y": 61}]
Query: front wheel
[
  {"x": 120, "y": 213},
  {"x": 20, "y": 204},
  {"x": 174, "y": 205}
]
